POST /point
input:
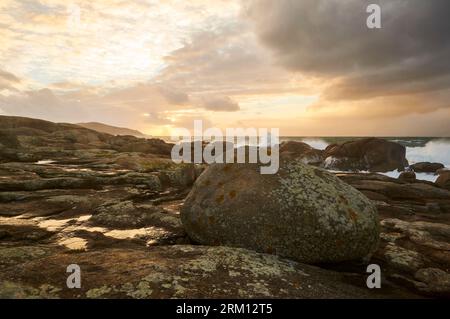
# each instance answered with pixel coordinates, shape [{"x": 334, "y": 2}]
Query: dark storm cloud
[{"x": 329, "y": 38}]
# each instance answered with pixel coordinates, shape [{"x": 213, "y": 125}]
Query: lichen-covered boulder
[{"x": 302, "y": 212}]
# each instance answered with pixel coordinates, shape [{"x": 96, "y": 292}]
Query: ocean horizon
[{"x": 418, "y": 149}]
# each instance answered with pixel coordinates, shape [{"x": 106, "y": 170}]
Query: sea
[{"x": 418, "y": 149}]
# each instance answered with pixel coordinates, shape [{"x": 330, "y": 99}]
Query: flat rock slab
[{"x": 176, "y": 272}]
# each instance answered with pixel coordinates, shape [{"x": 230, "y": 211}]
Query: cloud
[
  {"x": 94, "y": 41},
  {"x": 9, "y": 77},
  {"x": 174, "y": 96},
  {"x": 308, "y": 67},
  {"x": 220, "y": 103},
  {"x": 156, "y": 118},
  {"x": 225, "y": 61},
  {"x": 43, "y": 104},
  {"x": 135, "y": 58},
  {"x": 330, "y": 39},
  {"x": 8, "y": 81}
]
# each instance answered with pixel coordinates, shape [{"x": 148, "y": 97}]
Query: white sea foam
[
  {"x": 437, "y": 150},
  {"x": 316, "y": 143},
  {"x": 420, "y": 176},
  {"x": 434, "y": 151},
  {"x": 45, "y": 162}
]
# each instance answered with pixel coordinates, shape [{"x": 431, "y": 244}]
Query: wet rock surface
[{"x": 105, "y": 207}]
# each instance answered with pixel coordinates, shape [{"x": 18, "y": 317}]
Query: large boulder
[
  {"x": 426, "y": 167},
  {"x": 302, "y": 212},
  {"x": 372, "y": 154},
  {"x": 300, "y": 150}
]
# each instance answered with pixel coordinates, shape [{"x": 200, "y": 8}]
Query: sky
[{"x": 307, "y": 67}]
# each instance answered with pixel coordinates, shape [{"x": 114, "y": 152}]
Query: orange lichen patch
[
  {"x": 353, "y": 215},
  {"x": 220, "y": 199},
  {"x": 232, "y": 194}
]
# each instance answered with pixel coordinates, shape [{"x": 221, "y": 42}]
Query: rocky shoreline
[{"x": 111, "y": 204}]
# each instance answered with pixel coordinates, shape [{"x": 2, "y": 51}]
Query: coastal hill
[
  {"x": 26, "y": 140},
  {"x": 113, "y": 130}
]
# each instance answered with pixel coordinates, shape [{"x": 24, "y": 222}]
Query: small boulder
[
  {"x": 426, "y": 167},
  {"x": 300, "y": 150},
  {"x": 408, "y": 177}
]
